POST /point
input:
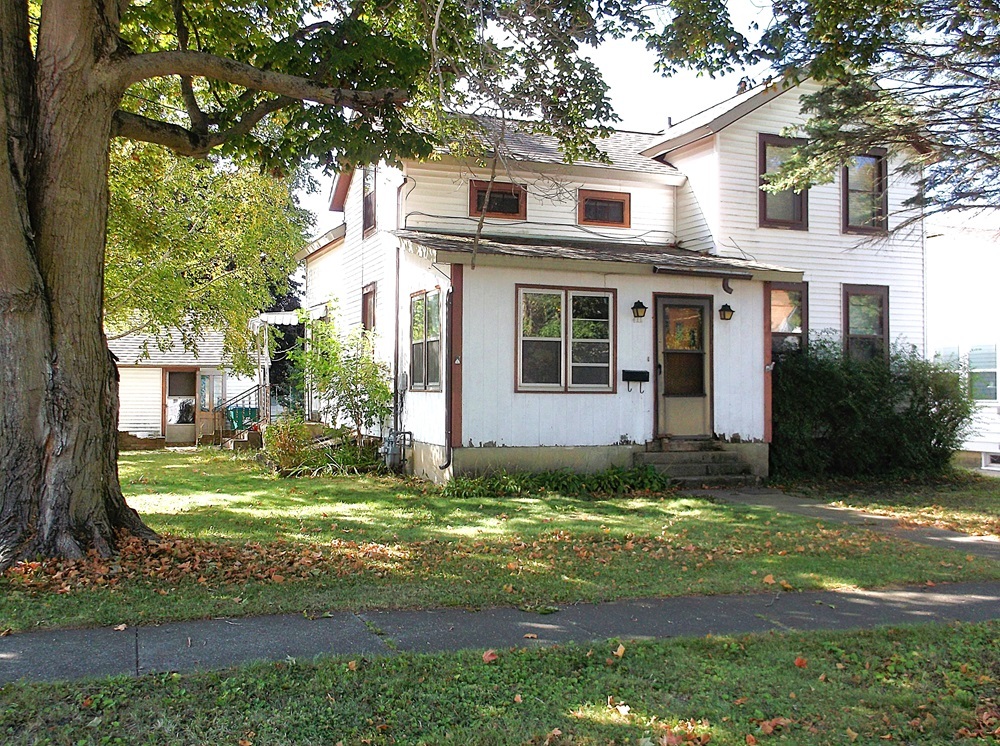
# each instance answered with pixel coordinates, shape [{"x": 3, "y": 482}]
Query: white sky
[{"x": 963, "y": 267}]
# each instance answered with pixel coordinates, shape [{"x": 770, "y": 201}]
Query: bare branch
[
  {"x": 199, "y": 122},
  {"x": 179, "y": 62}
]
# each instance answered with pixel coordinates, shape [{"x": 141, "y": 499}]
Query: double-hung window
[
  {"x": 983, "y": 372},
  {"x": 787, "y": 208},
  {"x": 866, "y": 321},
  {"x": 864, "y": 201},
  {"x": 368, "y": 307},
  {"x": 565, "y": 339},
  {"x": 425, "y": 340}
]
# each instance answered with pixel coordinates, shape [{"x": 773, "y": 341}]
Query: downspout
[{"x": 448, "y": 378}]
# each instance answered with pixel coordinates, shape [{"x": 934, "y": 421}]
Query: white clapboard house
[
  {"x": 170, "y": 396},
  {"x": 613, "y": 309}
]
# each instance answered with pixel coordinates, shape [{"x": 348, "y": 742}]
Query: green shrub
[
  {"x": 290, "y": 450},
  {"x": 614, "y": 481},
  {"x": 835, "y": 415}
]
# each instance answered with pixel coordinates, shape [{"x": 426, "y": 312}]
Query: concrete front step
[
  {"x": 704, "y": 470},
  {"x": 682, "y": 445},
  {"x": 670, "y": 458},
  {"x": 695, "y": 483}
]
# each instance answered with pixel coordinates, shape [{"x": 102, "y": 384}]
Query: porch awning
[{"x": 604, "y": 256}]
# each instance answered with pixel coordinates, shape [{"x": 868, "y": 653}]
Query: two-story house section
[{"x": 607, "y": 308}]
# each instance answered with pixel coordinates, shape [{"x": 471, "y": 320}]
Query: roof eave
[{"x": 330, "y": 239}]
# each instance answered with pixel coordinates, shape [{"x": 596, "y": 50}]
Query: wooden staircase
[{"x": 696, "y": 463}]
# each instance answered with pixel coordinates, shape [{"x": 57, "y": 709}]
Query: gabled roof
[
  {"x": 630, "y": 257},
  {"x": 331, "y": 238},
  {"x": 715, "y": 118},
  {"x": 142, "y": 349}
]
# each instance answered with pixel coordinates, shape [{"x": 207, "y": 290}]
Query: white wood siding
[
  {"x": 986, "y": 435},
  {"x": 494, "y": 415},
  {"x": 828, "y": 257},
  {"x": 698, "y": 199},
  {"x": 141, "y": 400},
  {"x": 423, "y": 412},
  {"x": 437, "y": 198}
]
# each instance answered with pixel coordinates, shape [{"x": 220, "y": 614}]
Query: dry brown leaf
[
  {"x": 120, "y": 627},
  {"x": 489, "y": 656},
  {"x": 620, "y": 651},
  {"x": 769, "y": 579},
  {"x": 517, "y": 698},
  {"x": 852, "y": 735},
  {"x": 352, "y": 665},
  {"x": 801, "y": 662},
  {"x": 530, "y": 636},
  {"x": 751, "y": 741}
]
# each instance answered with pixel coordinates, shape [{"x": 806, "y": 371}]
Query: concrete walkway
[
  {"x": 220, "y": 643},
  {"x": 987, "y": 547}
]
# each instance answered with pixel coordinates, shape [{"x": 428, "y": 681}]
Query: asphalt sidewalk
[{"x": 220, "y": 643}]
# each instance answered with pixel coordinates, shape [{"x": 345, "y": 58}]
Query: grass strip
[{"x": 928, "y": 684}]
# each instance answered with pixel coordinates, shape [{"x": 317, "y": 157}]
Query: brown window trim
[
  {"x": 368, "y": 319},
  {"x": 566, "y": 387},
  {"x": 802, "y": 287},
  {"x": 881, "y": 154},
  {"x": 366, "y": 228},
  {"x": 438, "y": 386},
  {"x": 763, "y": 221},
  {"x": 881, "y": 291},
  {"x": 499, "y": 187},
  {"x": 624, "y": 197}
]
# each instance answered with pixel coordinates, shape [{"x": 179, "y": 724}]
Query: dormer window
[
  {"x": 505, "y": 200},
  {"x": 604, "y": 208},
  {"x": 787, "y": 208}
]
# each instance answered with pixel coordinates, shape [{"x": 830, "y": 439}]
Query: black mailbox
[{"x": 635, "y": 376}]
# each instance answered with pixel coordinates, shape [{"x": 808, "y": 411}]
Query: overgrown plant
[
  {"x": 351, "y": 382},
  {"x": 836, "y": 415}
]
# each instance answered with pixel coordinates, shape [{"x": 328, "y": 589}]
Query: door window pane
[
  {"x": 683, "y": 328},
  {"x": 180, "y": 383},
  {"x": 204, "y": 393}
]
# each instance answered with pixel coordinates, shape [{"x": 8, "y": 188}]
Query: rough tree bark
[{"x": 58, "y": 422}]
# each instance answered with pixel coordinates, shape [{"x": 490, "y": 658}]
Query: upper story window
[
  {"x": 425, "y": 340},
  {"x": 368, "y": 307},
  {"x": 368, "y": 199},
  {"x": 789, "y": 316},
  {"x": 565, "y": 339},
  {"x": 506, "y": 200},
  {"x": 865, "y": 203},
  {"x": 787, "y": 208},
  {"x": 866, "y": 321},
  {"x": 983, "y": 372},
  {"x": 604, "y": 208}
]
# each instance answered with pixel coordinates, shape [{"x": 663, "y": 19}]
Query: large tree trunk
[{"x": 58, "y": 439}]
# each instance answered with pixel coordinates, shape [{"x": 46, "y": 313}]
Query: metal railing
[{"x": 239, "y": 414}]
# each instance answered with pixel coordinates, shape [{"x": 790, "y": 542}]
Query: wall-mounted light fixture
[
  {"x": 638, "y": 309},
  {"x": 726, "y": 312}
]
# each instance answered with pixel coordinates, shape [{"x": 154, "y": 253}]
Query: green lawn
[
  {"x": 241, "y": 542},
  {"x": 961, "y": 501},
  {"x": 925, "y": 685}
]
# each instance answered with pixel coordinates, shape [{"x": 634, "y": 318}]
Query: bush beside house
[{"x": 835, "y": 415}]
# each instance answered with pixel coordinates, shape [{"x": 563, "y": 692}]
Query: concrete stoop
[{"x": 697, "y": 463}]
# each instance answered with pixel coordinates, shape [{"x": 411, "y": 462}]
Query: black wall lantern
[
  {"x": 726, "y": 312},
  {"x": 638, "y": 309}
]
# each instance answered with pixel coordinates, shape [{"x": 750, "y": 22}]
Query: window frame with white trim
[
  {"x": 423, "y": 360},
  {"x": 578, "y": 356}
]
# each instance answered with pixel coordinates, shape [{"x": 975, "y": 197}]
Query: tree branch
[
  {"x": 179, "y": 62},
  {"x": 199, "y": 122},
  {"x": 180, "y": 140},
  {"x": 191, "y": 142}
]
